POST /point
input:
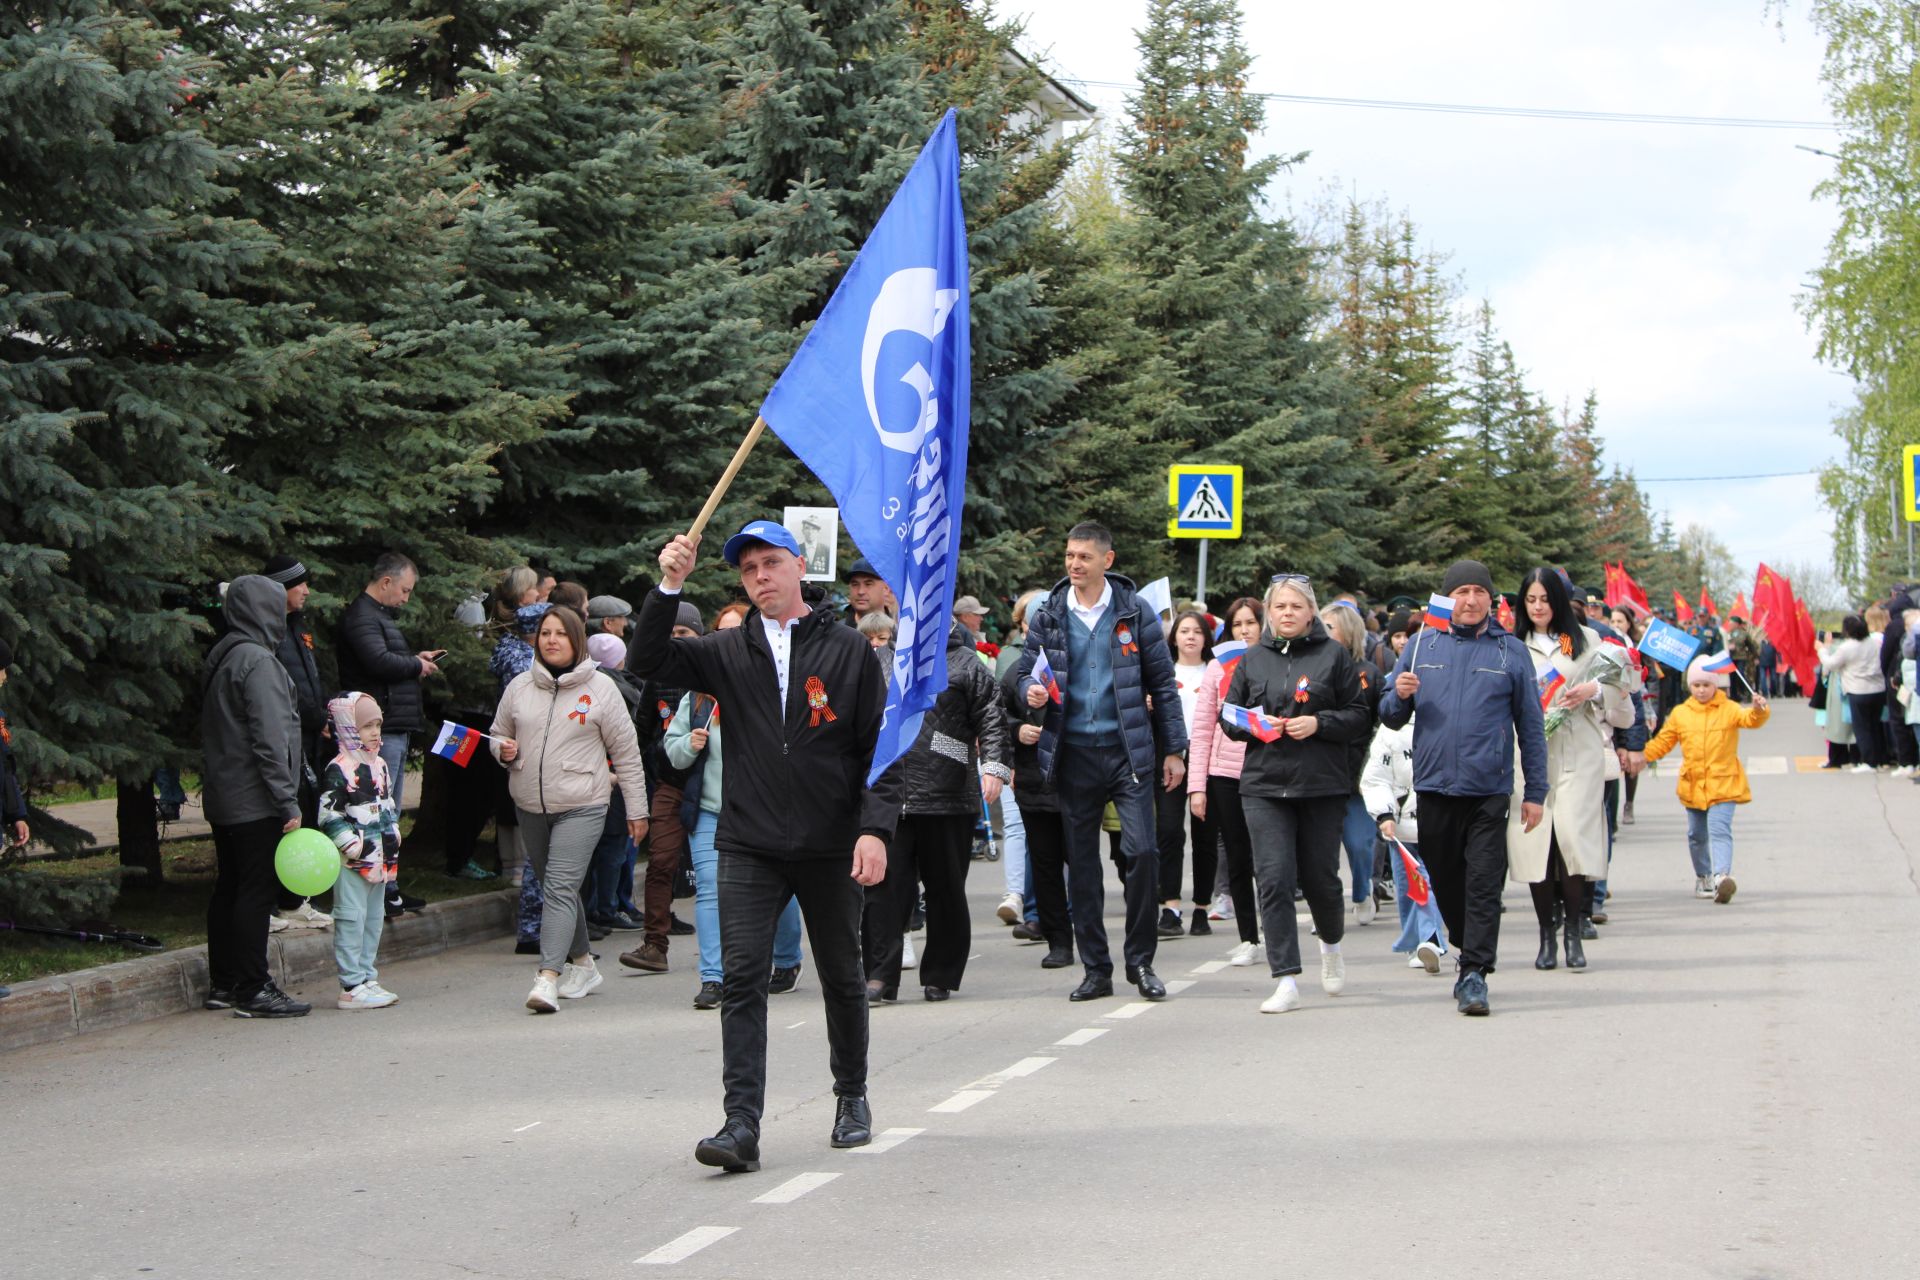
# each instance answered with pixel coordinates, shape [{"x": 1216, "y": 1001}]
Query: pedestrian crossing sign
[{"x": 1206, "y": 501}]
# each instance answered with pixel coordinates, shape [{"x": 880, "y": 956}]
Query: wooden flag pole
[{"x": 726, "y": 478}]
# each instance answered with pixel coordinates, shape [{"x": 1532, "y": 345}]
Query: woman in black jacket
[
  {"x": 1305, "y": 692},
  {"x": 933, "y": 844}
]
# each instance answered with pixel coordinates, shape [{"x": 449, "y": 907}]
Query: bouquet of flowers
[{"x": 1605, "y": 663}]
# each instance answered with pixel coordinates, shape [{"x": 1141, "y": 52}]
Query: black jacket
[
  {"x": 295, "y": 652},
  {"x": 941, "y": 774},
  {"x": 1268, "y": 679},
  {"x": 1357, "y": 751},
  {"x": 375, "y": 660},
  {"x": 796, "y": 776},
  {"x": 13, "y": 804},
  {"x": 1032, "y": 788}
]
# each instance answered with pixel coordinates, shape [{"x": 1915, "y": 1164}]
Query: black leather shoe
[
  {"x": 1093, "y": 987},
  {"x": 736, "y": 1148},
  {"x": 1149, "y": 983},
  {"x": 1028, "y": 931},
  {"x": 935, "y": 994},
  {"x": 1058, "y": 958},
  {"x": 852, "y": 1122}
]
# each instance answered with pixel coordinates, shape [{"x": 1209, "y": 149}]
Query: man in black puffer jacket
[
  {"x": 933, "y": 843},
  {"x": 1115, "y": 734}
]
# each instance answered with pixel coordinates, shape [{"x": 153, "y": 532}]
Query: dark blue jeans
[
  {"x": 754, "y": 890},
  {"x": 1086, "y": 779},
  {"x": 609, "y": 857}
]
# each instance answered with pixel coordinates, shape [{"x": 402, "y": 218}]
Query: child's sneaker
[
  {"x": 365, "y": 996},
  {"x": 383, "y": 991},
  {"x": 1703, "y": 886},
  {"x": 545, "y": 996},
  {"x": 576, "y": 980},
  {"x": 1723, "y": 889}
]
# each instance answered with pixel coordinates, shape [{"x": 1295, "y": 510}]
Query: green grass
[{"x": 176, "y": 911}]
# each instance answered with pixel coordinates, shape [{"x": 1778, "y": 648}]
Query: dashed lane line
[
  {"x": 1085, "y": 1035},
  {"x": 1211, "y": 966},
  {"x": 1178, "y": 985},
  {"x": 685, "y": 1246},
  {"x": 886, "y": 1140},
  {"x": 961, "y": 1101},
  {"x": 1133, "y": 1010},
  {"x": 795, "y": 1187}
]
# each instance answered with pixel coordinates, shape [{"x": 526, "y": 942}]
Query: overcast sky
[{"x": 1655, "y": 264}]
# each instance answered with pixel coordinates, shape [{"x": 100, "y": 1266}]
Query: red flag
[
  {"x": 1505, "y": 614},
  {"x": 1706, "y": 604},
  {"x": 1740, "y": 607},
  {"x": 1806, "y": 662},
  {"x": 1681, "y": 609},
  {"x": 1772, "y": 598},
  {"x": 1636, "y": 593}
]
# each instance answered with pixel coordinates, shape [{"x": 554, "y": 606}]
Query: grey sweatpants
[{"x": 559, "y": 849}]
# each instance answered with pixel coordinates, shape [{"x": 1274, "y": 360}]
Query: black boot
[
  {"x": 1576, "y": 954},
  {"x": 1549, "y": 954}
]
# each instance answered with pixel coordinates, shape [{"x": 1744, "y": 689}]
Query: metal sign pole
[{"x": 1200, "y": 587}]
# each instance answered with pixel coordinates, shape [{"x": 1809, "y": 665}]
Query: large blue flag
[{"x": 875, "y": 403}]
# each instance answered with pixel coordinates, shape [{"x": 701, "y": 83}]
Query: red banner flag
[
  {"x": 1706, "y": 604},
  {"x": 1740, "y": 607},
  {"x": 1682, "y": 611}
]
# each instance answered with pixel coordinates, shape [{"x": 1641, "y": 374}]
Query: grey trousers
[{"x": 559, "y": 849}]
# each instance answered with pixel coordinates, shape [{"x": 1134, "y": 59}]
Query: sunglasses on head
[{"x": 1279, "y": 578}]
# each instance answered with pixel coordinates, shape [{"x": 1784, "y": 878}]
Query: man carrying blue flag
[{"x": 802, "y": 698}]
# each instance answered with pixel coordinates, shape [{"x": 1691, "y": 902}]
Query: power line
[
  {"x": 1762, "y": 475},
  {"x": 1530, "y": 113}
]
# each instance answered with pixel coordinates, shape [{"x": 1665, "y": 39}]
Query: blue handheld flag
[
  {"x": 875, "y": 402},
  {"x": 1668, "y": 645}
]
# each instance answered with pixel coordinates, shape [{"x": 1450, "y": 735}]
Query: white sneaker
[
  {"x": 1243, "y": 955},
  {"x": 1365, "y": 910},
  {"x": 306, "y": 916},
  {"x": 1703, "y": 886},
  {"x": 383, "y": 991},
  {"x": 1863, "y": 768},
  {"x": 277, "y": 925},
  {"x": 1012, "y": 908},
  {"x": 365, "y": 996},
  {"x": 1222, "y": 908},
  {"x": 908, "y": 959},
  {"x": 1723, "y": 889},
  {"x": 1333, "y": 972},
  {"x": 1285, "y": 999},
  {"x": 1903, "y": 771},
  {"x": 578, "y": 979},
  {"x": 1427, "y": 956},
  {"x": 1413, "y": 962},
  {"x": 545, "y": 996}
]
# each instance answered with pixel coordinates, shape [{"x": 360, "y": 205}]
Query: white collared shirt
[
  {"x": 780, "y": 640},
  {"x": 1089, "y": 615}
]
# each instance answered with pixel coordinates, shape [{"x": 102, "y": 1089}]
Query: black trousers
[
  {"x": 1463, "y": 841},
  {"x": 469, "y": 798},
  {"x": 1047, "y": 873},
  {"x": 1086, "y": 779},
  {"x": 1175, "y": 820},
  {"x": 934, "y": 850},
  {"x": 754, "y": 889},
  {"x": 1297, "y": 841},
  {"x": 243, "y": 890},
  {"x": 1225, "y": 813}
]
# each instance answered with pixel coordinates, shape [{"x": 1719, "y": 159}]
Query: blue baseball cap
[{"x": 774, "y": 535}]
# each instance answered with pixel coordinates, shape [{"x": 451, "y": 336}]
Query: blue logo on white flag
[
  {"x": 1668, "y": 645},
  {"x": 875, "y": 402}
]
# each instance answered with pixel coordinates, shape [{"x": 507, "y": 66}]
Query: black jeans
[
  {"x": 1175, "y": 819},
  {"x": 754, "y": 890},
  {"x": 1297, "y": 840},
  {"x": 1087, "y": 778},
  {"x": 1047, "y": 873},
  {"x": 1225, "y": 813},
  {"x": 934, "y": 849},
  {"x": 243, "y": 889},
  {"x": 1463, "y": 841},
  {"x": 1868, "y": 727}
]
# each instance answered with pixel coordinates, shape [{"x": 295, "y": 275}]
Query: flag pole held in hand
[{"x": 726, "y": 478}]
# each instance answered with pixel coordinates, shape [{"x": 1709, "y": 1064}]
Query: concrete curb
[{"x": 115, "y": 995}]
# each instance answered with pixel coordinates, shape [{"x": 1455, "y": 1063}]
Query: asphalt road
[{"x": 1726, "y": 1092}]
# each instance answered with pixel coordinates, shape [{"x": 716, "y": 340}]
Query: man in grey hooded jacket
[{"x": 250, "y": 731}]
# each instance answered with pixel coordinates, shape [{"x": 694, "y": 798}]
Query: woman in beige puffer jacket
[{"x": 563, "y": 733}]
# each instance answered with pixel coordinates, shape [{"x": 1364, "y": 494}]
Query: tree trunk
[{"x": 139, "y": 827}]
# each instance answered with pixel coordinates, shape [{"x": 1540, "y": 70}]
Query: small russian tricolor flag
[
  {"x": 1720, "y": 664},
  {"x": 1439, "y": 612},
  {"x": 1228, "y": 655},
  {"x": 1258, "y": 723},
  {"x": 457, "y": 742},
  {"x": 1043, "y": 676}
]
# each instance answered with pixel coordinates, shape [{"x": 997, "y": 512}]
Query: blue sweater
[{"x": 1091, "y": 715}]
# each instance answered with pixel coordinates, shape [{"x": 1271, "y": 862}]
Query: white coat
[{"x": 1575, "y": 812}]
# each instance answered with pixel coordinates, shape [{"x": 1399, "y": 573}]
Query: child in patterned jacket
[{"x": 358, "y": 814}]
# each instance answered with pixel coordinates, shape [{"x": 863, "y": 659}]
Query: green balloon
[{"x": 306, "y": 862}]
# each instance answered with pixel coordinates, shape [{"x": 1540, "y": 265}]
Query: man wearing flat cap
[{"x": 609, "y": 614}]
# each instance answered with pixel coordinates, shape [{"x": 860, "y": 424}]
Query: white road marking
[
  {"x": 801, "y": 1023},
  {"x": 1178, "y": 985},
  {"x": 961, "y": 1101},
  {"x": 1133, "y": 1010},
  {"x": 679, "y": 1250},
  {"x": 887, "y": 1140},
  {"x": 523, "y": 1128},
  {"x": 793, "y": 1188},
  {"x": 1211, "y": 966},
  {"x": 1085, "y": 1035},
  {"x": 1766, "y": 764}
]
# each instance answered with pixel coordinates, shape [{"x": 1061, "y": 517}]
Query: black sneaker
[
  {"x": 624, "y": 922},
  {"x": 708, "y": 996},
  {"x": 1199, "y": 927},
  {"x": 217, "y": 998},
  {"x": 783, "y": 981},
  {"x": 595, "y": 932},
  {"x": 410, "y": 903},
  {"x": 1170, "y": 923},
  {"x": 271, "y": 1002},
  {"x": 1471, "y": 994},
  {"x": 676, "y": 927}
]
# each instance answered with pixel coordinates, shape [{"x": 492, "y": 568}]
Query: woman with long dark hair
[
  {"x": 1190, "y": 645},
  {"x": 1558, "y": 857}
]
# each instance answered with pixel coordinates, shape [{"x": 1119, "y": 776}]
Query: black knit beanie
[{"x": 1466, "y": 573}]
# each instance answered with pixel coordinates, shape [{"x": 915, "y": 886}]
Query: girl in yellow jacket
[{"x": 1707, "y": 728}]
